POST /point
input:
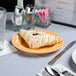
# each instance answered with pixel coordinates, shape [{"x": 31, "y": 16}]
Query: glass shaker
[
  {"x": 18, "y": 16},
  {"x": 29, "y": 17},
  {"x": 43, "y": 13}
]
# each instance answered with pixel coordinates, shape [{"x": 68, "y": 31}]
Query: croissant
[{"x": 37, "y": 39}]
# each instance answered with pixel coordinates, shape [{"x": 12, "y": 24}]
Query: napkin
[
  {"x": 8, "y": 48},
  {"x": 63, "y": 71}
]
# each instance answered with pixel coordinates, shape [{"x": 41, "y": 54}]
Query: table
[{"x": 19, "y": 64}]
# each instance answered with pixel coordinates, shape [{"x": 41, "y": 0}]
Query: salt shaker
[{"x": 18, "y": 16}]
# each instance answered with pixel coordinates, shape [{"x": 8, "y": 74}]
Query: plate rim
[{"x": 73, "y": 56}]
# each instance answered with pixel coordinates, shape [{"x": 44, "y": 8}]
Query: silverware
[
  {"x": 57, "y": 73},
  {"x": 53, "y": 72},
  {"x": 62, "y": 52},
  {"x": 66, "y": 73},
  {"x": 49, "y": 71},
  {"x": 38, "y": 74}
]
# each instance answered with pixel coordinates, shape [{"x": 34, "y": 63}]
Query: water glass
[{"x": 2, "y": 26}]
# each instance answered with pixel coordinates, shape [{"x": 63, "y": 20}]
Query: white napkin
[
  {"x": 58, "y": 67},
  {"x": 8, "y": 48}
]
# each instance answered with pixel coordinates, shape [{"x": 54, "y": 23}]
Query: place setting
[
  {"x": 34, "y": 48},
  {"x": 41, "y": 42},
  {"x": 58, "y": 69},
  {"x": 26, "y": 40},
  {"x": 55, "y": 70}
]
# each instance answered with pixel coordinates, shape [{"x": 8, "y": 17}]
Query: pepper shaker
[{"x": 29, "y": 17}]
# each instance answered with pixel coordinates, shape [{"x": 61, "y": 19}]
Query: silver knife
[{"x": 62, "y": 52}]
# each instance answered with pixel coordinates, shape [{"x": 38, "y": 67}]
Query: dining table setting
[
  {"x": 32, "y": 44},
  {"x": 57, "y": 60}
]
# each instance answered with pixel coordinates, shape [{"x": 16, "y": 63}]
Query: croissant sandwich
[{"x": 37, "y": 39}]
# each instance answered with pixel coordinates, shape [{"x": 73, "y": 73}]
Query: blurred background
[{"x": 10, "y": 4}]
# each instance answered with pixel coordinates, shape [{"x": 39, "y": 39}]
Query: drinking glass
[{"x": 2, "y": 26}]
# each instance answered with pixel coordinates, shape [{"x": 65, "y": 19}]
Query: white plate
[{"x": 74, "y": 56}]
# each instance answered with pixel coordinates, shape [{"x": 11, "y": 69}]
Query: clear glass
[
  {"x": 2, "y": 26},
  {"x": 43, "y": 13},
  {"x": 17, "y": 18}
]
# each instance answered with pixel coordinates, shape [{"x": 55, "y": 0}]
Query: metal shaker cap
[
  {"x": 18, "y": 10},
  {"x": 29, "y": 9}
]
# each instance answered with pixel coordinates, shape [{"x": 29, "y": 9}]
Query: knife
[{"x": 62, "y": 52}]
